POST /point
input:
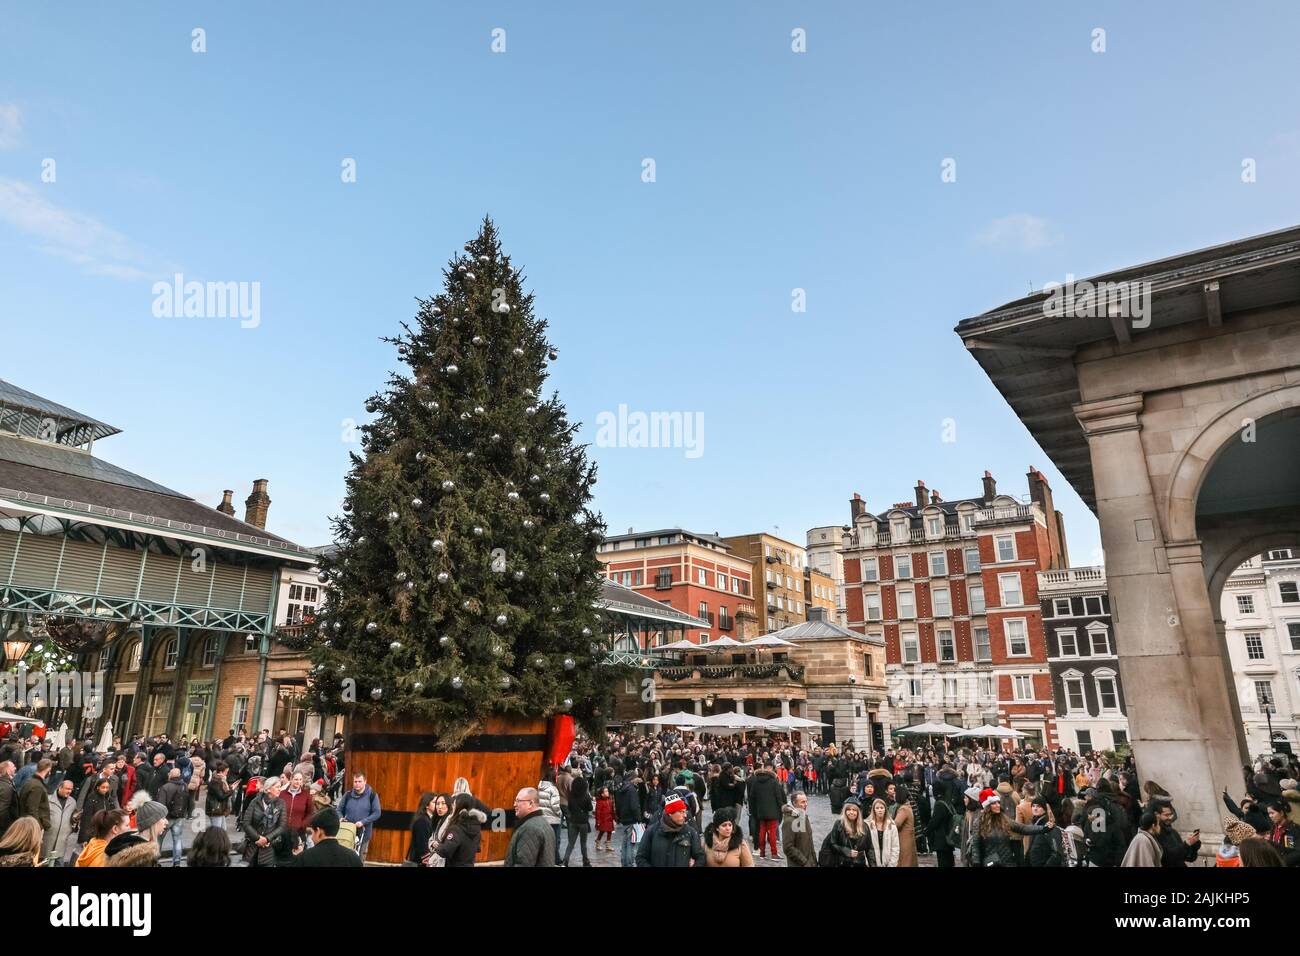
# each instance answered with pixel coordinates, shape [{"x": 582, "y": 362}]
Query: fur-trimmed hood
[{"x": 130, "y": 849}]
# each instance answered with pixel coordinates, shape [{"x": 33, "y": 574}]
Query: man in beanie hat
[{"x": 669, "y": 842}]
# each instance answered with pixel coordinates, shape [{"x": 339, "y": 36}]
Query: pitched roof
[
  {"x": 67, "y": 479},
  {"x": 823, "y": 631},
  {"x": 624, "y": 600},
  {"x": 13, "y": 397}
]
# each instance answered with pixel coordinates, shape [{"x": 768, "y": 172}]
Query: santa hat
[
  {"x": 675, "y": 805},
  {"x": 992, "y": 798},
  {"x": 985, "y": 794}
]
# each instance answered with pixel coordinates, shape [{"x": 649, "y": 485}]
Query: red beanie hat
[{"x": 674, "y": 805}]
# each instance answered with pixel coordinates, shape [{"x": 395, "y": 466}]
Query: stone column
[
  {"x": 1164, "y": 630},
  {"x": 785, "y": 707},
  {"x": 699, "y": 707}
]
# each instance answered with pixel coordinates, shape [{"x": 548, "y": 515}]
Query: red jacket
[
  {"x": 604, "y": 814},
  {"x": 298, "y": 809},
  {"x": 128, "y": 785}
]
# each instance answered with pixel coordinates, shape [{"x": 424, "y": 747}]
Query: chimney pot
[
  {"x": 920, "y": 493},
  {"x": 226, "y": 507},
  {"x": 990, "y": 487},
  {"x": 934, "y": 498}
]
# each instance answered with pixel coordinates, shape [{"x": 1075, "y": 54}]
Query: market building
[{"x": 135, "y": 581}]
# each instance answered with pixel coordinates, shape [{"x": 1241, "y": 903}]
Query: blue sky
[{"x": 774, "y": 171}]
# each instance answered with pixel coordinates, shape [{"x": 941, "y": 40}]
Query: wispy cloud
[
  {"x": 1019, "y": 231},
  {"x": 11, "y": 125},
  {"x": 80, "y": 239}
]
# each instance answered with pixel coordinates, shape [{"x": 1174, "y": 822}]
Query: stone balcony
[{"x": 722, "y": 678}]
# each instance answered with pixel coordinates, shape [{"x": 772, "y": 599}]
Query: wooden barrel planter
[{"x": 401, "y": 762}]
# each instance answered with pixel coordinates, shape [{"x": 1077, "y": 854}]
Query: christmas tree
[{"x": 465, "y": 577}]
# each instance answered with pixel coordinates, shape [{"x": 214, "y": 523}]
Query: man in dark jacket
[
  {"x": 766, "y": 797},
  {"x": 627, "y": 809},
  {"x": 326, "y": 849},
  {"x": 8, "y": 795},
  {"x": 939, "y": 830},
  {"x": 1177, "y": 851},
  {"x": 33, "y": 798},
  {"x": 179, "y": 801},
  {"x": 1045, "y": 849},
  {"x": 669, "y": 842},
  {"x": 533, "y": 842}
]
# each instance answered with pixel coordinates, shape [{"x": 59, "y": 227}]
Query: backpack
[{"x": 954, "y": 826}]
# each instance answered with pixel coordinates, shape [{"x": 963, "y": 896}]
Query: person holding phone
[{"x": 1177, "y": 850}]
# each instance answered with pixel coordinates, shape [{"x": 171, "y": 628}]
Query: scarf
[{"x": 668, "y": 825}]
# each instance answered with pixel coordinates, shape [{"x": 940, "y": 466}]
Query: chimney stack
[
  {"x": 990, "y": 488},
  {"x": 857, "y": 506},
  {"x": 1040, "y": 493},
  {"x": 226, "y": 508},
  {"x": 817, "y": 614},
  {"x": 257, "y": 504},
  {"x": 934, "y": 498},
  {"x": 920, "y": 493}
]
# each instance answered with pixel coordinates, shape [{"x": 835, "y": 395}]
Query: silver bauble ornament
[
  {"x": 522, "y": 449},
  {"x": 457, "y": 683},
  {"x": 395, "y": 646},
  {"x": 417, "y": 502},
  {"x": 552, "y": 355},
  {"x": 443, "y": 577},
  {"x": 505, "y": 680},
  {"x": 376, "y": 694},
  {"x": 544, "y": 496},
  {"x": 419, "y": 456},
  {"x": 464, "y": 416},
  {"x": 478, "y": 531},
  {"x": 501, "y": 620},
  {"x": 462, "y": 267},
  {"x": 528, "y": 523},
  {"x": 347, "y": 507},
  {"x": 512, "y": 495},
  {"x": 519, "y": 575},
  {"x": 477, "y": 340},
  {"x": 517, "y": 351},
  {"x": 504, "y": 307},
  {"x": 448, "y": 486},
  {"x": 469, "y": 275},
  {"x": 495, "y": 437},
  {"x": 594, "y": 647},
  {"x": 444, "y": 641},
  {"x": 438, "y": 544},
  {"x": 400, "y": 576},
  {"x": 323, "y": 578},
  {"x": 570, "y": 663},
  {"x": 567, "y": 703},
  {"x": 498, "y": 649},
  {"x": 479, "y": 409},
  {"x": 393, "y": 516},
  {"x": 410, "y": 585},
  {"x": 530, "y": 393},
  {"x": 482, "y": 258},
  {"x": 372, "y": 627},
  {"x": 586, "y": 632},
  {"x": 417, "y": 687},
  {"x": 338, "y": 625},
  {"x": 452, "y": 369},
  {"x": 539, "y": 662},
  {"x": 361, "y": 540}
]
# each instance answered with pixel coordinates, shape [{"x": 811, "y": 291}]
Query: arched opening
[{"x": 1247, "y": 504}]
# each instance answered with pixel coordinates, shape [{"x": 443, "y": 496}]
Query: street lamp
[{"x": 17, "y": 645}]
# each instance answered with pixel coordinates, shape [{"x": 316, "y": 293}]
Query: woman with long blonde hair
[{"x": 22, "y": 842}]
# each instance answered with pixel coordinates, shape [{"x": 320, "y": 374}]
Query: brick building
[
  {"x": 778, "y": 579},
  {"x": 698, "y": 574},
  {"x": 951, "y": 587}
]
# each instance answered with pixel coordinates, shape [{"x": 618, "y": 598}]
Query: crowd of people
[
  {"x": 971, "y": 807},
  {"x": 121, "y": 803},
  {"x": 670, "y": 799}
]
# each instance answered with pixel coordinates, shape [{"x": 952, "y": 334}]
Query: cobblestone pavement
[{"x": 819, "y": 812}]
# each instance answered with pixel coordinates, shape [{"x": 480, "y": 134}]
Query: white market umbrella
[
  {"x": 680, "y": 719},
  {"x": 988, "y": 730},
  {"x": 11, "y": 718},
  {"x": 931, "y": 729},
  {"x": 792, "y": 722},
  {"x": 59, "y": 739},
  {"x": 721, "y": 644},
  {"x": 682, "y": 645},
  {"x": 769, "y": 640},
  {"x": 106, "y": 738},
  {"x": 733, "y": 721}
]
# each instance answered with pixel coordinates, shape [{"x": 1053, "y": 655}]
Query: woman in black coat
[
  {"x": 459, "y": 841},
  {"x": 421, "y": 829},
  {"x": 580, "y": 810},
  {"x": 991, "y": 843}
]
